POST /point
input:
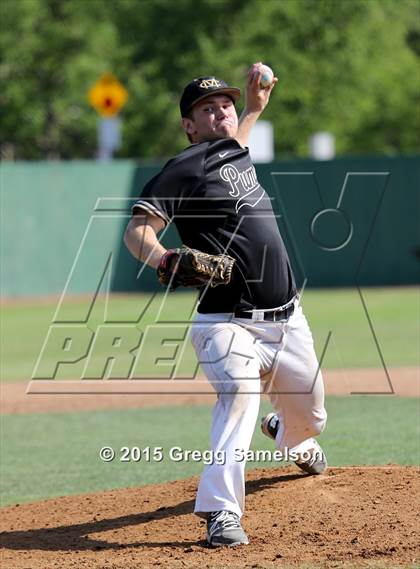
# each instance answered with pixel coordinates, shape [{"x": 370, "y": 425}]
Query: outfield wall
[{"x": 345, "y": 222}]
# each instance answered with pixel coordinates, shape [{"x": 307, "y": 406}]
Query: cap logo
[{"x": 208, "y": 83}]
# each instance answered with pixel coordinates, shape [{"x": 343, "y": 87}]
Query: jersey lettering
[{"x": 242, "y": 184}]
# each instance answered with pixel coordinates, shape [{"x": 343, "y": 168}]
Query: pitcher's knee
[
  {"x": 318, "y": 422},
  {"x": 242, "y": 394},
  {"x": 248, "y": 390},
  {"x": 311, "y": 425}
]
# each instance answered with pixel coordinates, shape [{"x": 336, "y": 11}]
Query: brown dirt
[
  {"x": 350, "y": 517},
  {"x": 89, "y": 395},
  {"x": 356, "y": 516}
]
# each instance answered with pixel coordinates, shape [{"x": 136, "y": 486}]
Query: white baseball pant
[{"x": 242, "y": 358}]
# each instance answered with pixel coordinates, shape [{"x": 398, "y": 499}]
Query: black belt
[{"x": 268, "y": 315}]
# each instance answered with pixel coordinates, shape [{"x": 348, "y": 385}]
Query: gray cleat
[
  {"x": 224, "y": 528},
  {"x": 313, "y": 461},
  {"x": 270, "y": 425}
]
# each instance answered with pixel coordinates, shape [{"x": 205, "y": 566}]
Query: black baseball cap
[{"x": 202, "y": 87}]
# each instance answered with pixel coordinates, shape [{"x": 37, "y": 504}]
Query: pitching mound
[{"x": 358, "y": 517}]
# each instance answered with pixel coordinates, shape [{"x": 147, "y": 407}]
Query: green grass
[
  {"x": 394, "y": 315},
  {"x": 45, "y": 455}
]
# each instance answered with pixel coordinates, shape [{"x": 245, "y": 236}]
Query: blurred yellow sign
[{"x": 107, "y": 95}]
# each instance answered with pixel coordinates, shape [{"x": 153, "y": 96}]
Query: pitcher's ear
[{"x": 188, "y": 125}]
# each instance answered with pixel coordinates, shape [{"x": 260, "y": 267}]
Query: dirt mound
[{"x": 359, "y": 515}]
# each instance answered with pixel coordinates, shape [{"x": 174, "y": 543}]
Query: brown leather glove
[{"x": 192, "y": 268}]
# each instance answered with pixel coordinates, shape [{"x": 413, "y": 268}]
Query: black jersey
[{"x": 212, "y": 194}]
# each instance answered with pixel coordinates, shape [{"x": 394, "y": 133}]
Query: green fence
[{"x": 345, "y": 222}]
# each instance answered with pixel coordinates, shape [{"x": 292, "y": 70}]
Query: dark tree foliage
[{"x": 350, "y": 67}]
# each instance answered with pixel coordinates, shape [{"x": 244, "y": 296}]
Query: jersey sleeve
[{"x": 163, "y": 195}]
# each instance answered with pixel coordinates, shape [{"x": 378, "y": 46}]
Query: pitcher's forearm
[
  {"x": 256, "y": 100},
  {"x": 144, "y": 245},
  {"x": 246, "y": 122}
]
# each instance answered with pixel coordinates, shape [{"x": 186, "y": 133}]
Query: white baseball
[{"x": 267, "y": 76}]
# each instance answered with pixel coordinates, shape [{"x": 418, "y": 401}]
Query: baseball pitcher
[{"x": 250, "y": 334}]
